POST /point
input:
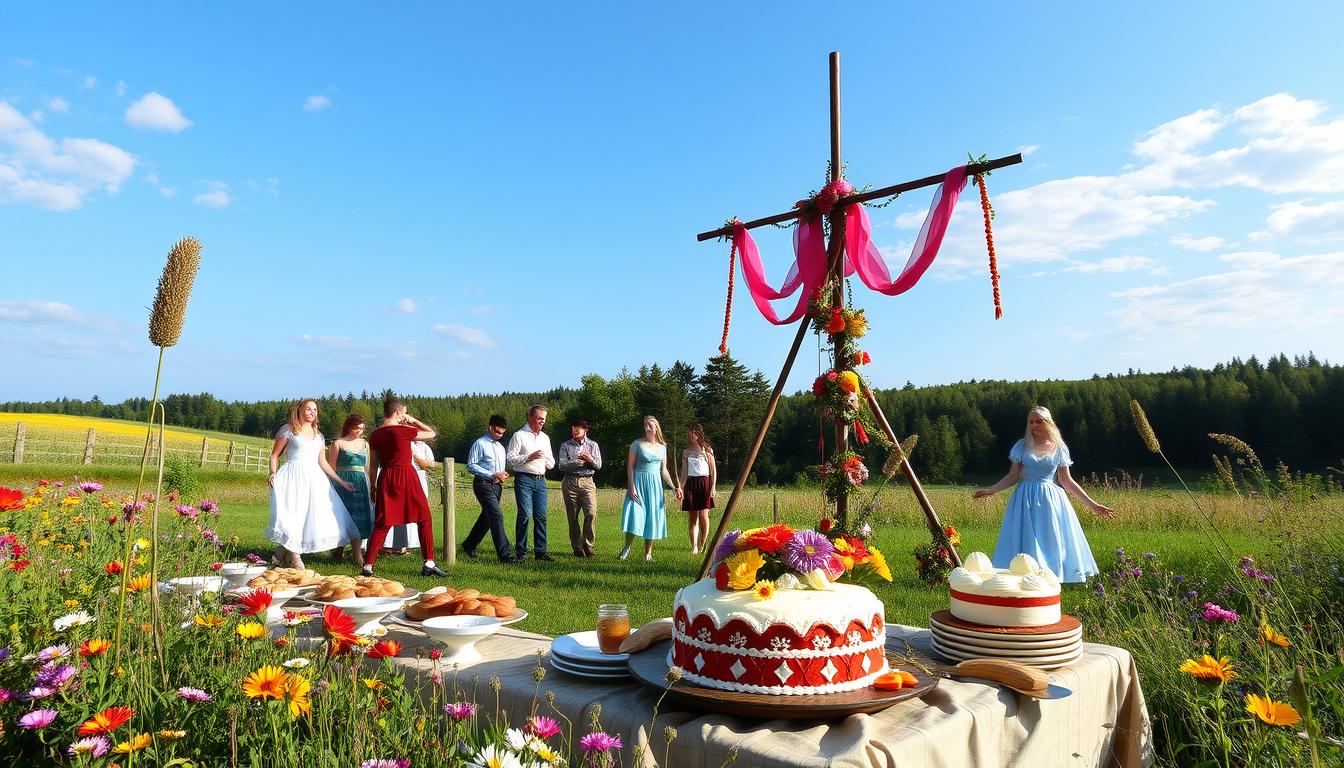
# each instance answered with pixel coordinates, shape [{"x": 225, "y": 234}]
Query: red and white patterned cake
[{"x": 800, "y": 641}]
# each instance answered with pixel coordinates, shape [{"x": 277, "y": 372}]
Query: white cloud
[
  {"x": 167, "y": 191},
  {"x": 25, "y": 63},
  {"x": 1200, "y": 244},
  {"x": 1306, "y": 222},
  {"x": 120, "y": 88},
  {"x": 37, "y": 170},
  {"x": 1180, "y": 134},
  {"x": 1118, "y": 264},
  {"x": 406, "y": 306},
  {"x": 37, "y": 115},
  {"x": 1261, "y": 290},
  {"x": 474, "y": 337},
  {"x": 217, "y": 197},
  {"x": 89, "y": 82},
  {"x": 36, "y": 312},
  {"x": 57, "y": 104},
  {"x": 156, "y": 112},
  {"x": 316, "y": 103}
]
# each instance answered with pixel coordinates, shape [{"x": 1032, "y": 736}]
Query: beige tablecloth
[{"x": 958, "y": 725}]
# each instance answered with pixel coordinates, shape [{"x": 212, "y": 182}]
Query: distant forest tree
[{"x": 1288, "y": 409}]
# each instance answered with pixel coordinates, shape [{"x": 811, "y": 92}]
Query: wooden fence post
[
  {"x": 19, "y": 432},
  {"x": 448, "y": 495},
  {"x": 88, "y": 447},
  {"x": 774, "y": 501},
  {"x": 205, "y": 447},
  {"x": 228, "y": 461}
]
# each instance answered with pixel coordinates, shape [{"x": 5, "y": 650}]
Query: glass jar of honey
[{"x": 613, "y": 626}]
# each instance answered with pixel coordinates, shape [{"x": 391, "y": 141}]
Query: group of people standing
[{"x": 528, "y": 456}]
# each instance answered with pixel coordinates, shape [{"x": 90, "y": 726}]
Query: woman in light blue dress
[
  {"x": 1039, "y": 520},
  {"x": 645, "y": 472}
]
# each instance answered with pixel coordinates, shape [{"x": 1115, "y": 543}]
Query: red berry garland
[
  {"x": 728, "y": 308},
  {"x": 989, "y": 241}
]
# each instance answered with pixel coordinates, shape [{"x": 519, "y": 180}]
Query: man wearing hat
[{"x": 579, "y": 460}]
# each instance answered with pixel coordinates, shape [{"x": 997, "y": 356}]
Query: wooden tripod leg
[
  {"x": 755, "y": 447},
  {"x": 930, "y": 515}
]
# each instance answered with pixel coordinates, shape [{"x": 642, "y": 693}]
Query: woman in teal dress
[
  {"x": 1039, "y": 520},
  {"x": 645, "y": 472},
  {"x": 349, "y": 456}
]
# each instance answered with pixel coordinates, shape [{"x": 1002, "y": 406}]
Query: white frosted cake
[
  {"x": 1024, "y": 594},
  {"x": 800, "y": 641}
]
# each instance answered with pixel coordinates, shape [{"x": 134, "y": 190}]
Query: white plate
[
  {"x": 1001, "y": 635},
  {"x": 1023, "y": 644},
  {"x": 1043, "y": 663},
  {"x": 400, "y": 617},
  {"x": 406, "y": 595},
  {"x": 594, "y": 664},
  {"x": 615, "y": 674},
  {"x": 582, "y": 647},
  {"x": 952, "y": 644}
]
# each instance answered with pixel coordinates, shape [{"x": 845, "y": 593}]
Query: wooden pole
[
  {"x": 205, "y": 450},
  {"x": 88, "y": 447},
  {"x": 774, "y": 504},
  {"x": 228, "y": 460},
  {"x": 930, "y": 515},
  {"x": 837, "y": 275},
  {"x": 20, "y": 432},
  {"x": 448, "y": 496}
]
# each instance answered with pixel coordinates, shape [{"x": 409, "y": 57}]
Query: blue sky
[{"x": 447, "y": 198}]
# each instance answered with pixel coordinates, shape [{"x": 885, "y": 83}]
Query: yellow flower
[
  {"x": 171, "y": 735},
  {"x": 250, "y": 630},
  {"x": 1209, "y": 669},
  {"x": 133, "y": 744},
  {"x": 848, "y": 381},
  {"x": 545, "y": 753},
  {"x": 210, "y": 621},
  {"x": 742, "y": 568},
  {"x": 83, "y": 543},
  {"x": 140, "y": 583},
  {"x": 297, "y": 688},
  {"x": 268, "y": 682},
  {"x": 763, "y": 590},
  {"x": 856, "y": 324},
  {"x": 146, "y": 627},
  {"x": 72, "y": 603},
  {"x": 69, "y": 501},
  {"x": 878, "y": 561},
  {"x": 141, "y": 543},
  {"x": 1271, "y": 711},
  {"x": 67, "y": 547},
  {"x": 86, "y": 588},
  {"x": 1270, "y": 636},
  {"x": 43, "y": 542},
  {"x": 372, "y": 683}
]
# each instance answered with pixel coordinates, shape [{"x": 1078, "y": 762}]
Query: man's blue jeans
[{"x": 530, "y": 493}]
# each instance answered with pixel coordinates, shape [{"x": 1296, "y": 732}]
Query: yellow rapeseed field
[{"x": 55, "y": 422}]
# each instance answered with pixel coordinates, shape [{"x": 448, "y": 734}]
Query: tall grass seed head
[
  {"x": 1145, "y": 429},
  {"x": 170, "y": 301}
]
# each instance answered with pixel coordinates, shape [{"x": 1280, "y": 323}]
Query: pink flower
[
  {"x": 90, "y": 487},
  {"x": 1215, "y": 613},
  {"x": 37, "y": 719},
  {"x": 185, "y": 511},
  {"x": 542, "y": 727},
  {"x": 93, "y": 746},
  {"x": 460, "y": 710},
  {"x": 194, "y": 695},
  {"x": 598, "y": 741}
]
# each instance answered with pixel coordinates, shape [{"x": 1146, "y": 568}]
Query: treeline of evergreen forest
[{"x": 1287, "y": 409}]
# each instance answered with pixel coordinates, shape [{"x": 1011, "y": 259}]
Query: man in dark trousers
[{"x": 485, "y": 462}]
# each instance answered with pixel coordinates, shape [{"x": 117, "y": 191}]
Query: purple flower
[
  {"x": 1135, "y": 572},
  {"x": 460, "y": 710},
  {"x": 37, "y": 719},
  {"x": 808, "y": 551},
  {"x": 1099, "y": 588},
  {"x": 210, "y": 507},
  {"x": 4, "y": 654},
  {"x": 93, "y": 746},
  {"x": 598, "y": 741},
  {"x": 1214, "y": 613},
  {"x": 89, "y": 486},
  {"x": 53, "y": 652},
  {"x": 6, "y": 695},
  {"x": 726, "y": 546},
  {"x": 254, "y": 558},
  {"x": 128, "y": 510},
  {"x": 397, "y": 763},
  {"x": 1120, "y": 553},
  {"x": 53, "y": 675},
  {"x": 193, "y": 694},
  {"x": 1247, "y": 560},
  {"x": 40, "y": 692},
  {"x": 184, "y": 510},
  {"x": 1297, "y": 570}
]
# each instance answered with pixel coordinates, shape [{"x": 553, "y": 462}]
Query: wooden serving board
[
  {"x": 650, "y": 667},
  {"x": 1066, "y": 623}
]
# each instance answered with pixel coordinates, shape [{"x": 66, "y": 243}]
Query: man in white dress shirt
[{"x": 529, "y": 457}]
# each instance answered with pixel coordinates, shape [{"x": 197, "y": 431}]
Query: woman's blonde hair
[
  {"x": 1050, "y": 428},
  {"x": 295, "y": 417},
  {"x": 657, "y": 430}
]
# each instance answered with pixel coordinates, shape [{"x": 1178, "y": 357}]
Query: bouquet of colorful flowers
[
  {"x": 777, "y": 557},
  {"x": 933, "y": 561}
]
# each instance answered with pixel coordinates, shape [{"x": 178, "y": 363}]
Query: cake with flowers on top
[
  {"x": 776, "y": 620},
  {"x": 1025, "y": 594}
]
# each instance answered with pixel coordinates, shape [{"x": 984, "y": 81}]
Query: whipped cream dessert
[{"x": 1025, "y": 594}]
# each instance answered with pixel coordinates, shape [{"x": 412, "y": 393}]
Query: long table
[{"x": 961, "y": 724}]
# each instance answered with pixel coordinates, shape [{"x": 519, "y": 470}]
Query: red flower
[
  {"x": 859, "y": 432},
  {"x": 435, "y": 654},
  {"x": 834, "y": 567},
  {"x": 385, "y": 649},
  {"x": 11, "y": 499},
  {"x": 768, "y": 540},
  {"x": 837, "y": 322},
  {"x": 861, "y": 358},
  {"x": 721, "y": 576},
  {"x": 826, "y": 524},
  {"x": 18, "y": 565},
  {"x": 113, "y": 568},
  {"x": 339, "y": 625},
  {"x": 108, "y": 720},
  {"x": 255, "y": 601},
  {"x": 216, "y": 566},
  {"x": 819, "y": 387},
  {"x": 280, "y": 642}
]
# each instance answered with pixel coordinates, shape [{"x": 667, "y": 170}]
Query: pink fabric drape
[{"x": 809, "y": 245}]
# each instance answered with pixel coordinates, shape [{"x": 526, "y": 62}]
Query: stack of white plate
[
  {"x": 578, "y": 654},
  {"x": 1046, "y": 647}
]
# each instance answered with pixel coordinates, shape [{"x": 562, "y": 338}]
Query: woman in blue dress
[
  {"x": 645, "y": 472},
  {"x": 1039, "y": 520},
  {"x": 349, "y": 456}
]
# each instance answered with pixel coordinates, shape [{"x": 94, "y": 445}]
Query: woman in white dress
[{"x": 306, "y": 513}]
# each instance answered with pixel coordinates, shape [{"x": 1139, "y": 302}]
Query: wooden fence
[{"x": 65, "y": 447}]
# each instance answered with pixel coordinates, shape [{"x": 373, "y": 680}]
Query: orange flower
[
  {"x": 1271, "y": 711},
  {"x": 763, "y": 590},
  {"x": 94, "y": 647},
  {"x": 11, "y": 499},
  {"x": 1271, "y": 636},
  {"x": 849, "y": 381},
  {"x": 339, "y": 625},
  {"x": 171, "y": 735},
  {"x": 108, "y": 720},
  {"x": 1209, "y": 669},
  {"x": 140, "y": 583},
  {"x": 372, "y": 683},
  {"x": 384, "y": 649},
  {"x": 210, "y": 621},
  {"x": 268, "y": 682},
  {"x": 895, "y": 680},
  {"x": 836, "y": 323},
  {"x": 769, "y": 540},
  {"x": 133, "y": 744},
  {"x": 297, "y": 689}
]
